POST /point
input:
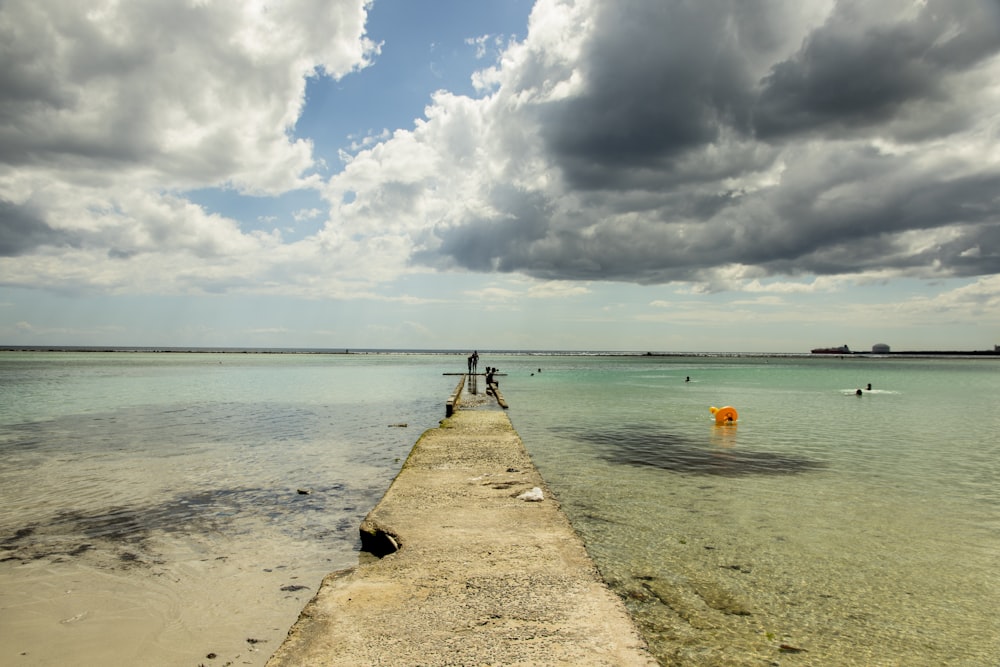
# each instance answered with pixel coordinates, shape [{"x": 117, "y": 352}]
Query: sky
[{"x": 631, "y": 175}]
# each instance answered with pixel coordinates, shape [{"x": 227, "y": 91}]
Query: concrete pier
[
  {"x": 456, "y": 397},
  {"x": 481, "y": 568}
]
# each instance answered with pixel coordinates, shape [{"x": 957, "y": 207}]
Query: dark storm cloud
[
  {"x": 47, "y": 71},
  {"x": 530, "y": 240},
  {"x": 807, "y": 231},
  {"x": 794, "y": 231},
  {"x": 717, "y": 134},
  {"x": 853, "y": 77},
  {"x": 485, "y": 246},
  {"x": 663, "y": 77},
  {"x": 21, "y": 231}
]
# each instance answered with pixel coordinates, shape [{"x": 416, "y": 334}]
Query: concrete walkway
[{"x": 481, "y": 576}]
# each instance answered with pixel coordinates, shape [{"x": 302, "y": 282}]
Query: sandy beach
[{"x": 87, "y": 610}]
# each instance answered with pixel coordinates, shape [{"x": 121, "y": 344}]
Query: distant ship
[{"x": 843, "y": 349}]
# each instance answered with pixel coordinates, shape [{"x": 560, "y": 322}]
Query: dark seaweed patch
[
  {"x": 119, "y": 524},
  {"x": 210, "y": 509},
  {"x": 24, "y": 550},
  {"x": 120, "y": 534},
  {"x": 21, "y": 534},
  {"x": 644, "y": 446}
]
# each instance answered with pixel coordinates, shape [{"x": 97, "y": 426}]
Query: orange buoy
[{"x": 726, "y": 415}]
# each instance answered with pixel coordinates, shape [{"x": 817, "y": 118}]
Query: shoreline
[{"x": 481, "y": 566}]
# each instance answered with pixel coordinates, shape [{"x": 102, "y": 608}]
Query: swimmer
[{"x": 857, "y": 393}]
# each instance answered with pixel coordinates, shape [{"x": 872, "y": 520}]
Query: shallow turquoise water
[
  {"x": 850, "y": 530},
  {"x": 861, "y": 530},
  {"x": 168, "y": 486}
]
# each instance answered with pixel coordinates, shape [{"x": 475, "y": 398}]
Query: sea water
[
  {"x": 822, "y": 528},
  {"x": 150, "y": 505},
  {"x": 181, "y": 509}
]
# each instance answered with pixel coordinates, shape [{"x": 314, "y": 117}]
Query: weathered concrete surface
[{"x": 481, "y": 577}]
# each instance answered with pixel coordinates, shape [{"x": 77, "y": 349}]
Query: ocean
[
  {"x": 179, "y": 508},
  {"x": 823, "y": 528}
]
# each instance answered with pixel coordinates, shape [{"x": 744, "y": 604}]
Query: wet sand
[{"x": 87, "y": 611}]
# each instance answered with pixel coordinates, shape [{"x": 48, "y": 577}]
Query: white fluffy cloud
[
  {"x": 168, "y": 94},
  {"x": 109, "y": 110}
]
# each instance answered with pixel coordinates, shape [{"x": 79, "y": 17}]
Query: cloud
[
  {"x": 653, "y": 142},
  {"x": 190, "y": 94},
  {"x": 868, "y": 66},
  {"x": 494, "y": 295},
  {"x": 981, "y": 299},
  {"x": 763, "y": 145},
  {"x": 527, "y": 289},
  {"x": 22, "y": 230},
  {"x": 110, "y": 111},
  {"x": 306, "y": 214},
  {"x": 555, "y": 289},
  {"x": 480, "y": 44}
]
